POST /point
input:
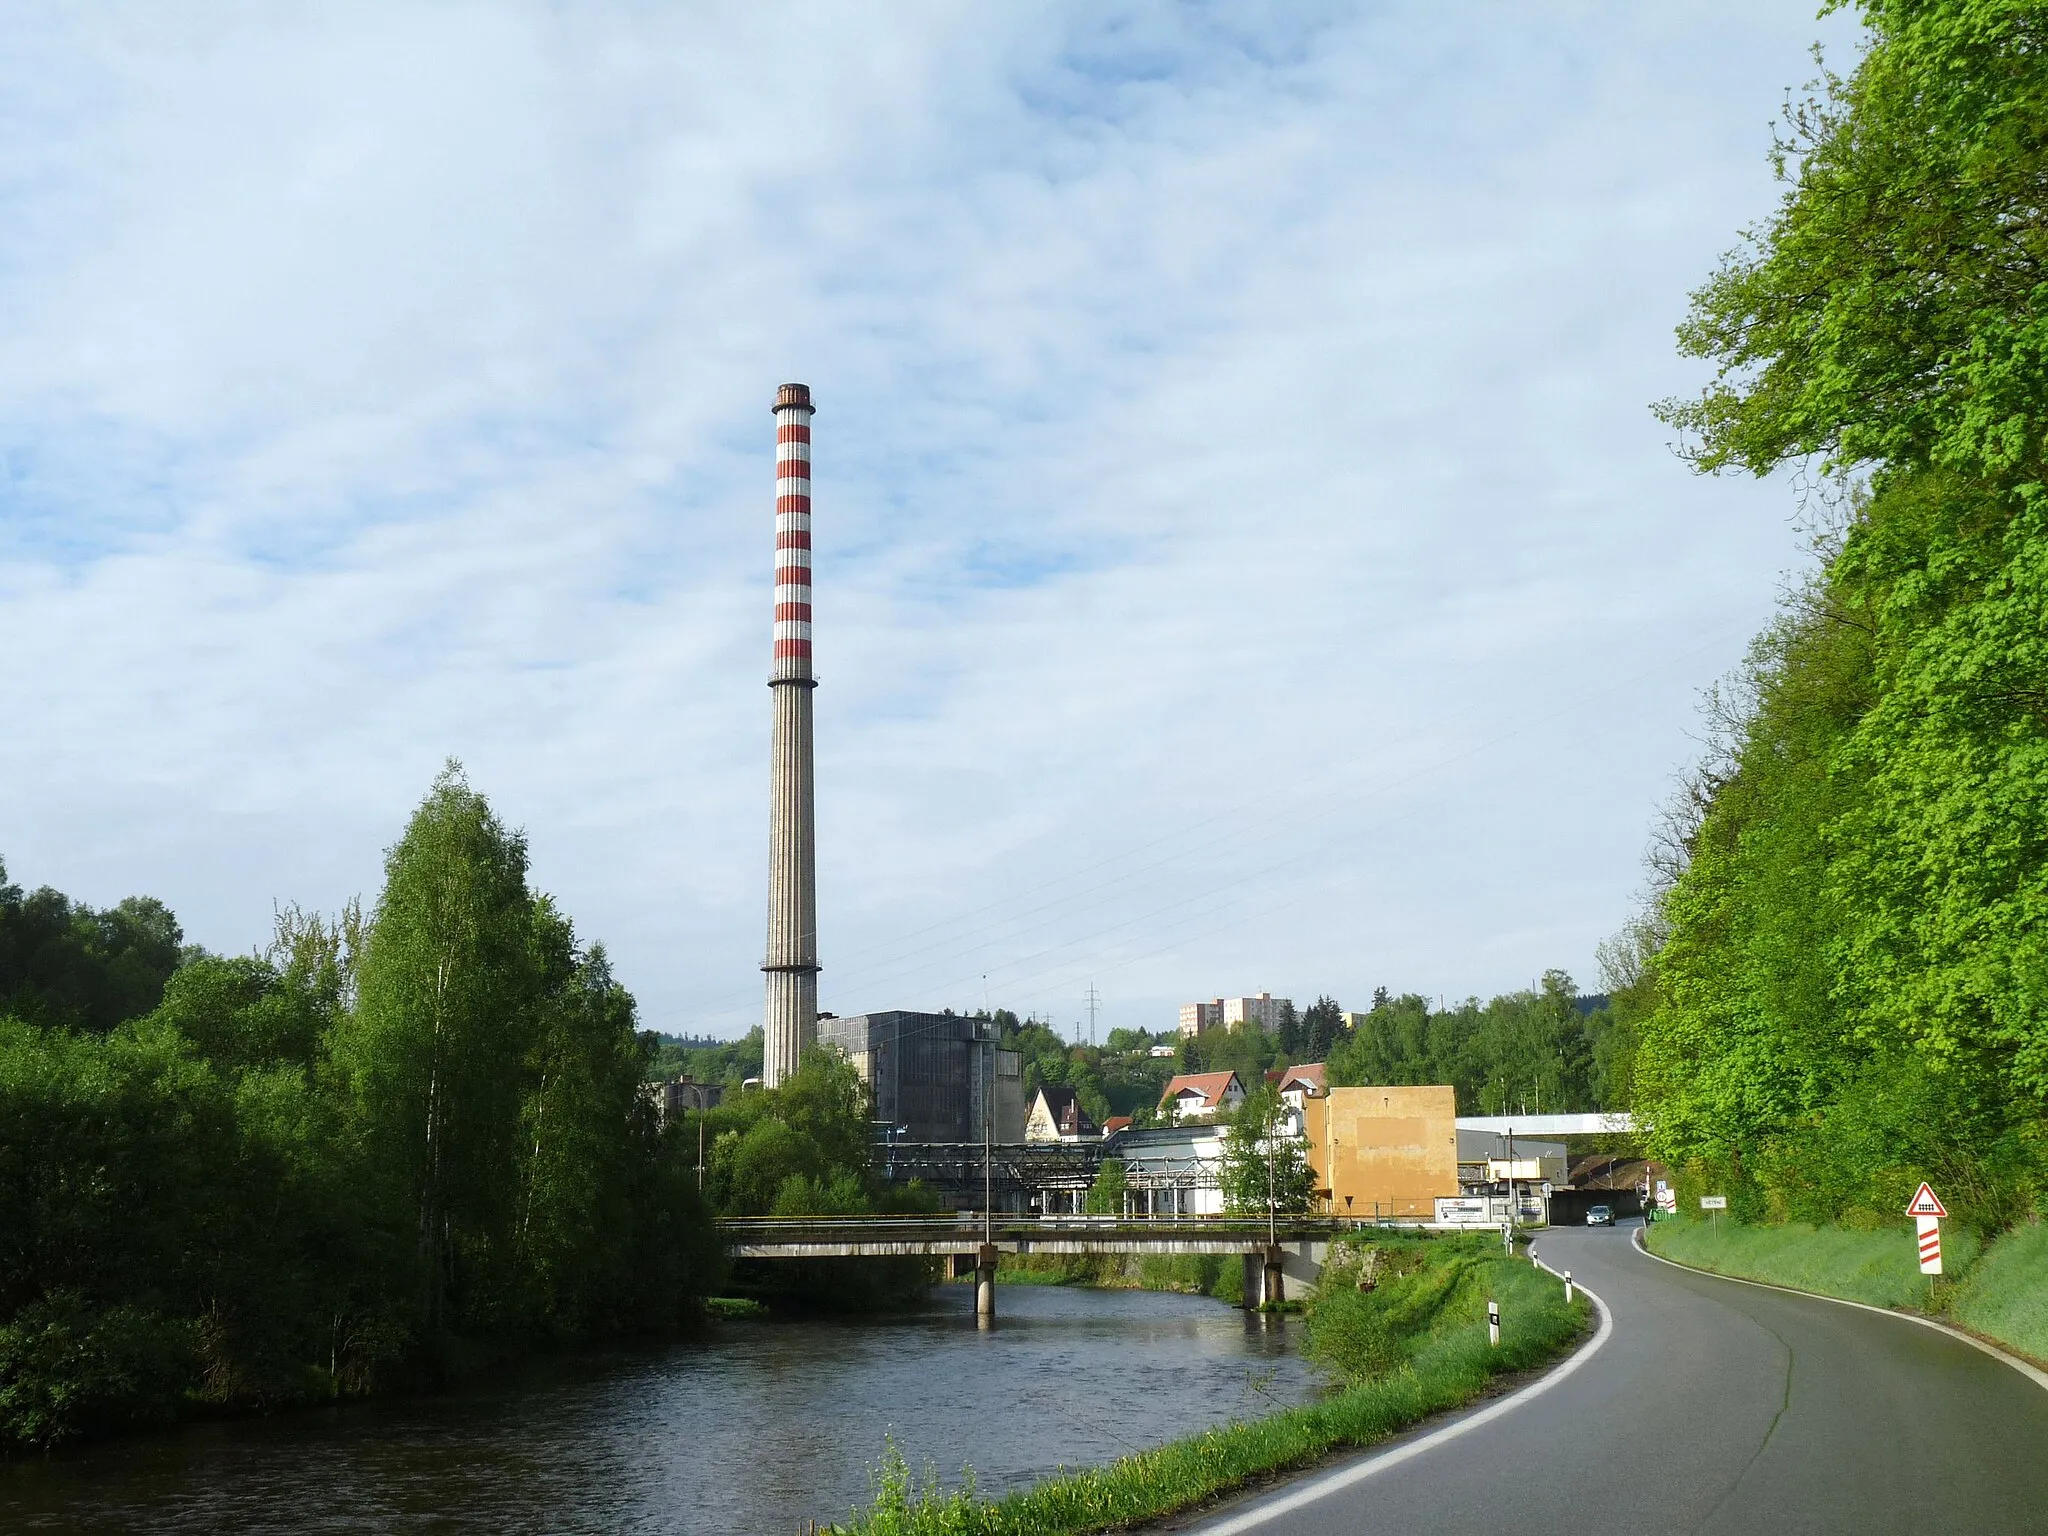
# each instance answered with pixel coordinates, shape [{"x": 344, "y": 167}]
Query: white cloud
[{"x": 1207, "y": 417}]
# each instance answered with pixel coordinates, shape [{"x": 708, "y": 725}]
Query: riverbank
[
  {"x": 1998, "y": 1290},
  {"x": 1189, "y": 1274},
  {"x": 1402, "y": 1324},
  {"x": 754, "y": 1429}
]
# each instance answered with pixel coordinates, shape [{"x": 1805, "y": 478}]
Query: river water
[{"x": 750, "y": 1431}]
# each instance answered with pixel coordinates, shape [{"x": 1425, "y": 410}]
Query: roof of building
[
  {"x": 1115, "y": 1123},
  {"x": 1154, "y": 1142},
  {"x": 1605, "y": 1172},
  {"x": 1309, "y": 1076},
  {"x": 1211, "y": 1086},
  {"x": 1066, "y": 1110}
]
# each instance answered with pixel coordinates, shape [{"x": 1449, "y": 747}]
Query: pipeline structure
[{"x": 790, "y": 1017}]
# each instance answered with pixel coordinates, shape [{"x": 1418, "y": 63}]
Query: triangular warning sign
[{"x": 1924, "y": 1203}]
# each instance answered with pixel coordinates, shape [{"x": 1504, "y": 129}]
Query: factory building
[
  {"x": 929, "y": 1073},
  {"x": 1389, "y": 1153}
]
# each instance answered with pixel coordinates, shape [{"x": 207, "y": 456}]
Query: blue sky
[{"x": 1245, "y": 556}]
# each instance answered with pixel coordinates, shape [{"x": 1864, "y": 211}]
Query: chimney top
[{"x": 794, "y": 395}]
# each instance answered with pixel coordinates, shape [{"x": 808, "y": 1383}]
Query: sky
[{"x": 1246, "y": 559}]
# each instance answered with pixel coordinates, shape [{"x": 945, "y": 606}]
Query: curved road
[{"x": 1711, "y": 1407}]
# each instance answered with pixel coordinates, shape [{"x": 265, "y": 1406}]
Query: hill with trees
[{"x": 1841, "y": 982}]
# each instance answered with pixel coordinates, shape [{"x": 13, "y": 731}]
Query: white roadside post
[
  {"x": 1493, "y": 1323},
  {"x": 1927, "y": 1210},
  {"x": 1567, "y": 1287}
]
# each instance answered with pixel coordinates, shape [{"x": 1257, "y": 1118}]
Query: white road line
[
  {"x": 1320, "y": 1488},
  {"x": 2026, "y": 1368}
]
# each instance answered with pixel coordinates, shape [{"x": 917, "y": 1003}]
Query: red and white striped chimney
[
  {"x": 790, "y": 1019},
  {"x": 792, "y": 532}
]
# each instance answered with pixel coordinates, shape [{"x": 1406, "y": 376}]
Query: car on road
[{"x": 1599, "y": 1215}]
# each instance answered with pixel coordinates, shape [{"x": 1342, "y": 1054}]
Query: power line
[{"x": 1236, "y": 892}]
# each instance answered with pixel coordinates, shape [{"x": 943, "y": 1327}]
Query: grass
[
  {"x": 1196, "y": 1274},
  {"x": 1881, "y": 1268},
  {"x": 1443, "y": 1361},
  {"x": 2005, "y": 1296},
  {"x": 733, "y": 1309}
]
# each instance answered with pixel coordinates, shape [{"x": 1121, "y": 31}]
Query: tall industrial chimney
[{"x": 791, "y": 1020}]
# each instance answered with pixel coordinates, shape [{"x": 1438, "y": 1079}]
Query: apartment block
[{"x": 1232, "y": 1013}]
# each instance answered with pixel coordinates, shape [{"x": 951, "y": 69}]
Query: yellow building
[{"x": 1385, "y": 1152}]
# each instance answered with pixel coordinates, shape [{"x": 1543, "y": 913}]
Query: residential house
[
  {"x": 1193, "y": 1096},
  {"x": 1056, "y": 1115},
  {"x": 1296, "y": 1085}
]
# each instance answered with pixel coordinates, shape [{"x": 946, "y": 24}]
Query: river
[{"x": 749, "y": 1431}]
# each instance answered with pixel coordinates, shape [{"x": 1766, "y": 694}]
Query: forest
[
  {"x": 1839, "y": 982},
  {"x": 1544, "y": 1047},
  {"x": 393, "y": 1148}
]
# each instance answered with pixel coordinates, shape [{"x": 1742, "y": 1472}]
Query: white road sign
[{"x": 1930, "y": 1244}]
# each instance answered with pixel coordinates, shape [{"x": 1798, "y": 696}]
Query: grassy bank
[
  {"x": 1999, "y": 1290},
  {"x": 1191, "y": 1274},
  {"x": 2005, "y": 1296},
  {"x": 1881, "y": 1268},
  {"x": 1413, "y": 1346}
]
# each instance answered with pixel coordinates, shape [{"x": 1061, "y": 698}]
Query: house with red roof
[{"x": 1200, "y": 1095}]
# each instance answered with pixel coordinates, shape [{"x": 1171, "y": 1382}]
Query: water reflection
[{"x": 755, "y": 1429}]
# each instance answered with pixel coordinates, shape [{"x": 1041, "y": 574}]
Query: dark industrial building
[{"x": 929, "y": 1073}]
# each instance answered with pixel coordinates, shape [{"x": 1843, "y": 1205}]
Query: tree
[
  {"x": 301, "y": 1169},
  {"x": 63, "y": 963},
  {"x": 1106, "y": 1194},
  {"x": 446, "y": 1017},
  {"x": 1850, "y": 972},
  {"x": 1262, "y": 1164},
  {"x": 1321, "y": 1028}
]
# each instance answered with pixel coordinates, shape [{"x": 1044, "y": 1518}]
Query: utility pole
[
  {"x": 1508, "y": 1233},
  {"x": 988, "y": 1140},
  {"x": 1272, "y": 1191},
  {"x": 1094, "y": 1000},
  {"x": 700, "y": 1141},
  {"x": 985, "y": 1261}
]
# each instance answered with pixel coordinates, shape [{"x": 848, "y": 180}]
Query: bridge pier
[
  {"x": 985, "y": 1285},
  {"x": 1273, "y": 1290},
  {"x": 1264, "y": 1280}
]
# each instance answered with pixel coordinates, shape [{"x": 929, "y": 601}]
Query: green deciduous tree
[
  {"x": 62, "y": 963},
  {"x": 447, "y": 1014},
  {"x": 1853, "y": 973},
  {"x": 302, "y": 1174},
  {"x": 1262, "y": 1164}
]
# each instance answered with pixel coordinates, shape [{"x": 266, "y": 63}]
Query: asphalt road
[{"x": 1710, "y": 1407}]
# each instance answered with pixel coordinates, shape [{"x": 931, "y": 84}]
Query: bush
[{"x": 69, "y": 1368}]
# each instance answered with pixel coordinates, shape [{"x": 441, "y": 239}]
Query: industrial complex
[{"x": 950, "y": 1101}]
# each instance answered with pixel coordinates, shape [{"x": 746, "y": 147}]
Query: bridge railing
[{"x": 957, "y": 1223}]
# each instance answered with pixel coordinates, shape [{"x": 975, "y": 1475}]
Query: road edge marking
[
  {"x": 1319, "y": 1488},
  {"x": 2026, "y": 1368}
]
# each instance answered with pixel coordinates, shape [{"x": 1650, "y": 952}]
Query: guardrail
[{"x": 1010, "y": 1224}]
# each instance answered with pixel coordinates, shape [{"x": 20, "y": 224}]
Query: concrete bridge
[{"x": 1291, "y": 1245}]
